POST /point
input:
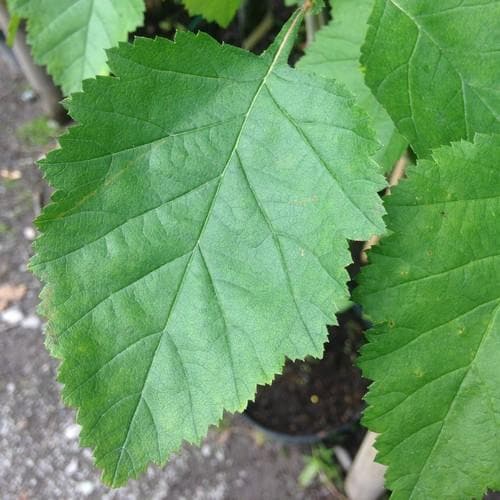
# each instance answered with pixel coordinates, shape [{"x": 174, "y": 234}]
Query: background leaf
[
  {"x": 335, "y": 54},
  {"x": 435, "y": 66},
  {"x": 220, "y": 11},
  {"x": 432, "y": 290},
  {"x": 197, "y": 237},
  {"x": 70, "y": 36}
]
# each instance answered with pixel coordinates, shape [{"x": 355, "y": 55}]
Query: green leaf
[
  {"x": 335, "y": 54},
  {"x": 70, "y": 36},
  {"x": 12, "y": 29},
  {"x": 433, "y": 291},
  {"x": 317, "y": 5},
  {"x": 435, "y": 66},
  {"x": 220, "y": 11},
  {"x": 197, "y": 236}
]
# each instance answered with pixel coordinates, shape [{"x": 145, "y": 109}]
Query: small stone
[
  {"x": 72, "y": 467},
  {"x": 219, "y": 455},
  {"x": 12, "y": 316},
  {"x": 72, "y": 431},
  {"x": 29, "y": 233},
  {"x": 5, "y": 428},
  {"x": 11, "y": 294},
  {"x": 28, "y": 95},
  {"x": 85, "y": 488},
  {"x": 10, "y": 388},
  {"x": 206, "y": 451},
  {"x": 31, "y": 322},
  {"x": 11, "y": 175},
  {"x": 21, "y": 424}
]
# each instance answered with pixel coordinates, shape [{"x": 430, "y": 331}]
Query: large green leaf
[
  {"x": 335, "y": 54},
  {"x": 435, "y": 66},
  {"x": 197, "y": 237},
  {"x": 433, "y": 291},
  {"x": 220, "y": 11},
  {"x": 70, "y": 36}
]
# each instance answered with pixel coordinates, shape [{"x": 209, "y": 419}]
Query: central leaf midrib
[{"x": 274, "y": 61}]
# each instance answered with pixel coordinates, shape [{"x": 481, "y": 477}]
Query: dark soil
[{"x": 316, "y": 396}]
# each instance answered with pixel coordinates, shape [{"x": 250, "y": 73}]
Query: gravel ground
[{"x": 39, "y": 453}]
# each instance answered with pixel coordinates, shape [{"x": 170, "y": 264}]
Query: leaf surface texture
[
  {"x": 197, "y": 236},
  {"x": 335, "y": 54},
  {"x": 433, "y": 292},
  {"x": 435, "y": 66}
]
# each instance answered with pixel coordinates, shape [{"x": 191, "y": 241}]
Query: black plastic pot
[
  {"x": 331, "y": 435},
  {"x": 323, "y": 397}
]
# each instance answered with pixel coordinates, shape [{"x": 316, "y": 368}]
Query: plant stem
[
  {"x": 313, "y": 23},
  {"x": 259, "y": 32},
  {"x": 37, "y": 77},
  {"x": 397, "y": 174}
]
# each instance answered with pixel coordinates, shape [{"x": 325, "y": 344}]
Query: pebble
[
  {"x": 31, "y": 322},
  {"x": 206, "y": 451},
  {"x": 72, "y": 467},
  {"x": 10, "y": 388},
  {"x": 28, "y": 95},
  {"x": 72, "y": 431},
  {"x": 12, "y": 175},
  {"x": 29, "y": 233},
  {"x": 85, "y": 488},
  {"x": 12, "y": 316},
  {"x": 21, "y": 424}
]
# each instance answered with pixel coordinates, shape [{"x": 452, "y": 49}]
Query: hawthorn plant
[{"x": 198, "y": 234}]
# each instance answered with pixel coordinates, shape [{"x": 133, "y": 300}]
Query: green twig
[
  {"x": 259, "y": 32},
  {"x": 313, "y": 23}
]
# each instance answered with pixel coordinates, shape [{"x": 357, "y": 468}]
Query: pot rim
[{"x": 298, "y": 439}]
